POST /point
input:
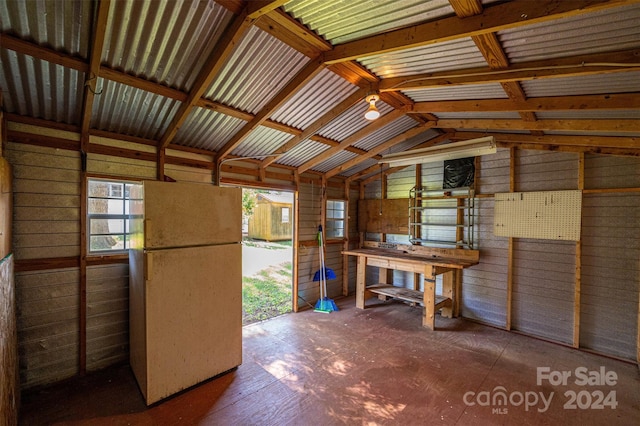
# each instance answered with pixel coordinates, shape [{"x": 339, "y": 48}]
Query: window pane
[
  {"x": 106, "y": 226},
  {"x": 106, "y": 242}
]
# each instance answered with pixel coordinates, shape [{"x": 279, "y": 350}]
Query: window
[
  {"x": 285, "y": 215},
  {"x": 335, "y": 218},
  {"x": 108, "y": 215}
]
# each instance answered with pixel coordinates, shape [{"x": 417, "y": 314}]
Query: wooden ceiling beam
[
  {"x": 97, "y": 43},
  {"x": 626, "y": 60},
  {"x": 495, "y": 18},
  {"x": 259, "y": 8},
  {"x": 286, "y": 29},
  {"x": 631, "y": 126},
  {"x": 29, "y": 48},
  {"x": 615, "y": 101},
  {"x": 585, "y": 141},
  {"x": 370, "y": 128}
]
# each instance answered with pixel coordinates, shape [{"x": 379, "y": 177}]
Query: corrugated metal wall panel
[
  {"x": 484, "y": 292},
  {"x": 544, "y": 270},
  {"x": 471, "y": 91},
  {"x": 123, "y": 109},
  {"x": 36, "y": 88},
  {"x": 608, "y": 171},
  {"x": 206, "y": 129},
  {"x": 543, "y": 288},
  {"x": 66, "y": 25},
  {"x": 619, "y": 82},
  {"x": 164, "y": 41},
  {"x": 546, "y": 171},
  {"x": 484, "y": 288},
  {"x": 107, "y": 315},
  {"x": 343, "y": 20},
  {"x": 258, "y": 69},
  {"x": 314, "y": 100},
  {"x": 451, "y": 55},
  {"x": 610, "y": 273},
  {"x": 604, "y": 31}
]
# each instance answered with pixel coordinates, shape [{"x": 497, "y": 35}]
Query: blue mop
[{"x": 324, "y": 304}]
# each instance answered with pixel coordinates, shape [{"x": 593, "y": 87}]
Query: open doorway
[{"x": 267, "y": 254}]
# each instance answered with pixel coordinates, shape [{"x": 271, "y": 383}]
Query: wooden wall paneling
[
  {"x": 48, "y": 325},
  {"x": 107, "y": 329},
  {"x": 188, "y": 174},
  {"x": 100, "y": 164},
  {"x": 9, "y": 381}
]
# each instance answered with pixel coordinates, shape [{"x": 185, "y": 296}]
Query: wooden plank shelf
[{"x": 407, "y": 295}]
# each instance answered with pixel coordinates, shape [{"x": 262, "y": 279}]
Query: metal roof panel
[
  {"x": 583, "y": 85},
  {"x": 471, "y": 91},
  {"x": 206, "y": 129},
  {"x": 261, "y": 141}
]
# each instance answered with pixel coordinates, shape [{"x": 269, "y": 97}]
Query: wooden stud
[
  {"x": 296, "y": 241},
  {"x": 578, "y": 271},
  {"x": 428, "y": 313},
  {"x": 512, "y": 188},
  {"x": 345, "y": 244}
]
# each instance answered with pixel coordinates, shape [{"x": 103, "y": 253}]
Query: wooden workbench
[{"x": 420, "y": 260}]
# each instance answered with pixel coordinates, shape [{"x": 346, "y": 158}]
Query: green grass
[{"x": 267, "y": 295}]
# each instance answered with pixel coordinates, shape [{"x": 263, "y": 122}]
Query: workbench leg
[
  {"x": 429, "y": 301},
  {"x": 448, "y": 284},
  {"x": 360, "y": 281}
]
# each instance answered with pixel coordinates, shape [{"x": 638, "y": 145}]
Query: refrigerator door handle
[{"x": 148, "y": 266}]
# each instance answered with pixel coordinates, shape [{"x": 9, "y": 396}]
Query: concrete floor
[{"x": 373, "y": 366}]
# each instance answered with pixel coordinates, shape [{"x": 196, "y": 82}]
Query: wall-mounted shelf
[{"x": 430, "y": 222}]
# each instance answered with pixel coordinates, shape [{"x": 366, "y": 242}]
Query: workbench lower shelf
[{"x": 408, "y": 295}]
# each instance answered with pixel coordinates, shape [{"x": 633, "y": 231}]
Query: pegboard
[{"x": 550, "y": 215}]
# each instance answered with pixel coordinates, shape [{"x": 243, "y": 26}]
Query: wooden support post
[
  {"x": 512, "y": 188},
  {"x": 448, "y": 285},
  {"x": 429, "y": 295},
  {"x": 360, "y": 281},
  {"x": 345, "y": 244},
  {"x": 296, "y": 241},
  {"x": 578, "y": 272}
]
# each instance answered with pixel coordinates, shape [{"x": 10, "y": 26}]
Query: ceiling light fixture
[
  {"x": 372, "y": 113},
  {"x": 450, "y": 151}
]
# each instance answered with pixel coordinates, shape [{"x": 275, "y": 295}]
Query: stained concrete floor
[{"x": 373, "y": 366}]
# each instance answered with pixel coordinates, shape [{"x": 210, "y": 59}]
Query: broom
[{"x": 324, "y": 304}]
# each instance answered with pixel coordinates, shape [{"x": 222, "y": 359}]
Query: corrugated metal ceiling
[
  {"x": 471, "y": 91},
  {"x": 607, "y": 30},
  {"x": 163, "y": 40},
  {"x": 351, "y": 121},
  {"x": 382, "y": 135},
  {"x": 301, "y": 153},
  {"x": 208, "y": 129},
  {"x": 583, "y": 85},
  {"x": 123, "y": 109},
  {"x": 256, "y": 72},
  {"x": 314, "y": 100},
  {"x": 452, "y": 55},
  {"x": 340, "y": 21},
  {"x": 261, "y": 141}
]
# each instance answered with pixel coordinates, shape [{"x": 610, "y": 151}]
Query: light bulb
[{"x": 372, "y": 113}]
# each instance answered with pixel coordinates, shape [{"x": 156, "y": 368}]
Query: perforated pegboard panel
[{"x": 550, "y": 215}]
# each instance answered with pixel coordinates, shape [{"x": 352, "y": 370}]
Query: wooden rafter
[
  {"x": 616, "y": 101},
  {"x": 97, "y": 44},
  {"x": 533, "y": 70},
  {"x": 630, "y": 126},
  {"x": 496, "y": 18}
]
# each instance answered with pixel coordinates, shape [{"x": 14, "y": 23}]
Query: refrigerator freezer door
[
  {"x": 193, "y": 317},
  {"x": 186, "y": 214}
]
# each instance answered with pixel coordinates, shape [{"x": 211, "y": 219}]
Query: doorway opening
[{"x": 267, "y": 254}]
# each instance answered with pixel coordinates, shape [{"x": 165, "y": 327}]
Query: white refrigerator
[{"x": 185, "y": 285}]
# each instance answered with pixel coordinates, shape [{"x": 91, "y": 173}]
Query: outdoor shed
[{"x": 272, "y": 217}]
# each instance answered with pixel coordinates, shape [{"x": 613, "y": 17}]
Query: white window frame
[
  {"x": 118, "y": 209},
  {"x": 333, "y": 221}
]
